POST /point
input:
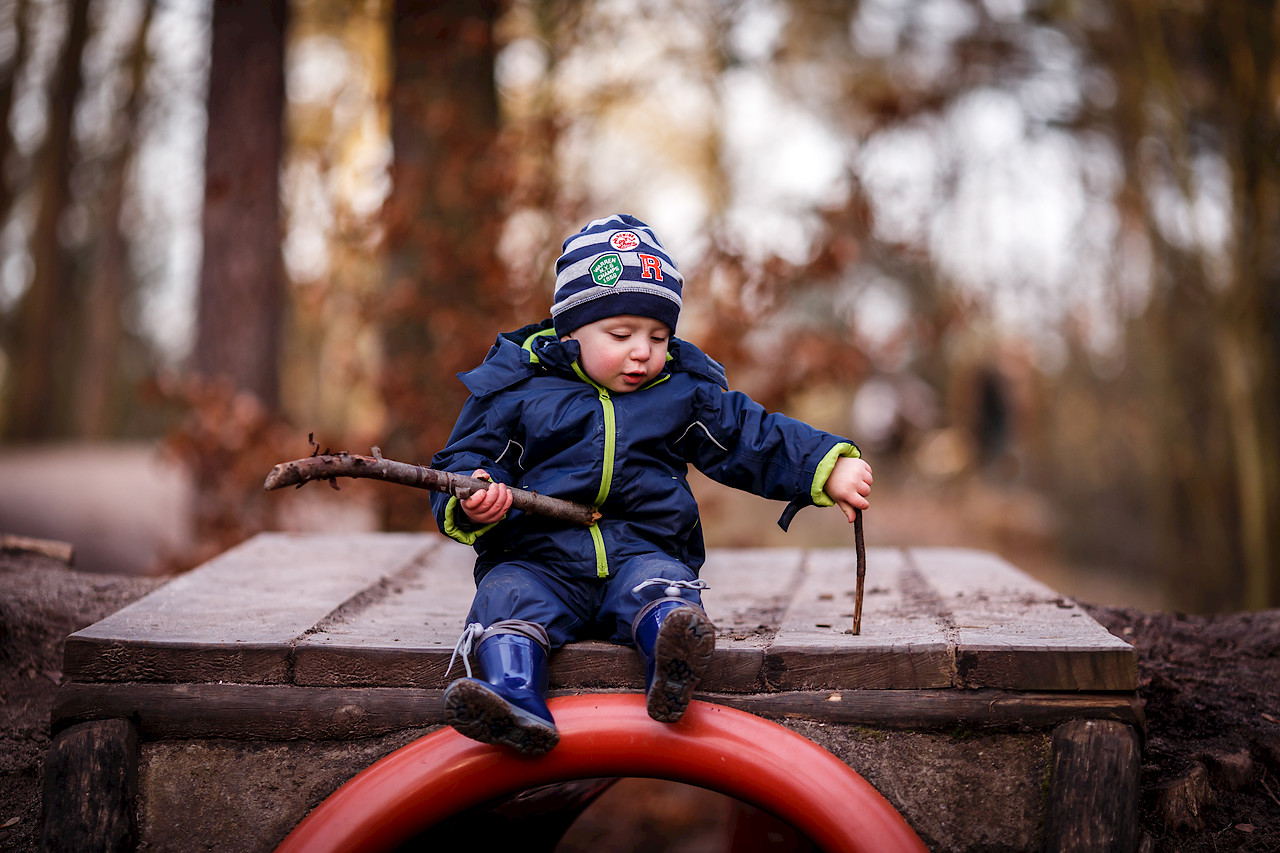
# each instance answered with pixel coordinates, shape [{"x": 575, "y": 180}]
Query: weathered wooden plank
[
  {"x": 903, "y": 644},
  {"x": 1093, "y": 788},
  {"x": 97, "y": 659},
  {"x": 261, "y": 711},
  {"x": 596, "y": 665},
  {"x": 399, "y": 634},
  {"x": 386, "y": 610},
  {"x": 936, "y": 709},
  {"x": 287, "y": 712},
  {"x": 91, "y": 788},
  {"x": 403, "y": 632},
  {"x": 237, "y": 617},
  {"x": 1012, "y": 631},
  {"x": 748, "y": 590}
]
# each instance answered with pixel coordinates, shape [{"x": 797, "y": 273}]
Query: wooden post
[
  {"x": 91, "y": 789},
  {"x": 1093, "y": 788}
]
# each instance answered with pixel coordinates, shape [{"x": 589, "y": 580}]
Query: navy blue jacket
[{"x": 536, "y": 421}]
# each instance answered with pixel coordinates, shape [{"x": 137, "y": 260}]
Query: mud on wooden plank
[
  {"x": 401, "y": 632},
  {"x": 748, "y": 590},
  {"x": 902, "y": 644}
]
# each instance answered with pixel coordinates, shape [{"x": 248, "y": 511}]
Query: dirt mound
[
  {"x": 1211, "y": 761},
  {"x": 41, "y": 602}
]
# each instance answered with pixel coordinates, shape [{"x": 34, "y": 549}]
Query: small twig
[{"x": 861, "y": 550}]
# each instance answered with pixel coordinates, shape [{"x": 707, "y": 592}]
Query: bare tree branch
[{"x": 330, "y": 466}]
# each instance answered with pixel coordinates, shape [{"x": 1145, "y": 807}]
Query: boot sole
[
  {"x": 476, "y": 711},
  {"x": 681, "y": 654}
]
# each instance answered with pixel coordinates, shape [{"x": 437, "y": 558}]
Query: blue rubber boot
[
  {"x": 507, "y": 703},
  {"x": 676, "y": 639}
]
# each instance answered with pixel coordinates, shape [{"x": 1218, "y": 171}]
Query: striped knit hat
[{"x": 615, "y": 266}]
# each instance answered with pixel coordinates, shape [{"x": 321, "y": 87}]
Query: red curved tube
[{"x": 713, "y": 747}]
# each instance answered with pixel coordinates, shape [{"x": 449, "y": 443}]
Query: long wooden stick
[
  {"x": 329, "y": 466},
  {"x": 862, "y": 570}
]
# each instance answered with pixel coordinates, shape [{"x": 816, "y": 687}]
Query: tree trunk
[
  {"x": 241, "y": 295},
  {"x": 1200, "y": 82},
  {"x": 108, "y": 280},
  {"x": 21, "y": 49},
  {"x": 1249, "y": 326},
  {"x": 444, "y": 303},
  {"x": 42, "y": 351}
]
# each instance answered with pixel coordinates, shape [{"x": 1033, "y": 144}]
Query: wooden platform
[{"x": 332, "y": 636}]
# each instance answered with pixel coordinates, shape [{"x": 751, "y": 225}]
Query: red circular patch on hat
[{"x": 624, "y": 241}]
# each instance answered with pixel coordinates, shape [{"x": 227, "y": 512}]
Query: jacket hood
[{"x": 535, "y": 349}]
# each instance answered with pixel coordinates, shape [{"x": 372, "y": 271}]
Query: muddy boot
[
  {"x": 507, "y": 703},
  {"x": 676, "y": 639}
]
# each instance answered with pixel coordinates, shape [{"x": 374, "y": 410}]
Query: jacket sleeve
[
  {"x": 480, "y": 439},
  {"x": 735, "y": 441}
]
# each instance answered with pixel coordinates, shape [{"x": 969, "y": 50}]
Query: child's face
[{"x": 623, "y": 353}]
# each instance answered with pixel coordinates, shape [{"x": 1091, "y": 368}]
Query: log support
[
  {"x": 1093, "y": 788},
  {"x": 91, "y": 789}
]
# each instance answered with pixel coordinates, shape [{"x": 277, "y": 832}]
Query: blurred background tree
[{"x": 1024, "y": 251}]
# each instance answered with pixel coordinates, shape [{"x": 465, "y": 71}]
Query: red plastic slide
[{"x": 601, "y": 735}]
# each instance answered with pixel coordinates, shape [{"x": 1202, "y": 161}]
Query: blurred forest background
[{"x": 1025, "y": 252}]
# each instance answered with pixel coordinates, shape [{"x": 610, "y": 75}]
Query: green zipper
[
  {"x": 606, "y": 476},
  {"x": 610, "y": 445}
]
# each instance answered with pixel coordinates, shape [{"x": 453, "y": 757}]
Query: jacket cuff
[
  {"x": 459, "y": 528},
  {"x": 818, "y": 491}
]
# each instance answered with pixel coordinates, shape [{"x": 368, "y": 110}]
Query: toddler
[{"x": 602, "y": 405}]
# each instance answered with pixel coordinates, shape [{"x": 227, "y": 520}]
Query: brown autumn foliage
[{"x": 1180, "y": 427}]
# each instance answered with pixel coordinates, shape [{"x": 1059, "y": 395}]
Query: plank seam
[
  {"x": 917, "y": 589},
  {"x": 387, "y": 585}
]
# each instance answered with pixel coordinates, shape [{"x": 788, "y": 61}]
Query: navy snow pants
[{"x": 576, "y": 608}]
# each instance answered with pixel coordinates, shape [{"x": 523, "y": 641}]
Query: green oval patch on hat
[{"x": 606, "y": 270}]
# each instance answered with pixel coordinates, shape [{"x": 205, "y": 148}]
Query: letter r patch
[{"x": 650, "y": 267}]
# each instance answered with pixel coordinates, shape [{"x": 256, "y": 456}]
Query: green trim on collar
[{"x": 527, "y": 346}]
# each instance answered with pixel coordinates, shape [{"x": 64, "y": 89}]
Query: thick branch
[{"x": 331, "y": 466}]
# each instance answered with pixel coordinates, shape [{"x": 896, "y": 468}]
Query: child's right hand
[
  {"x": 850, "y": 485},
  {"x": 490, "y": 505}
]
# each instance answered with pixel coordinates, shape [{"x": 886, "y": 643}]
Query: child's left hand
[{"x": 849, "y": 485}]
